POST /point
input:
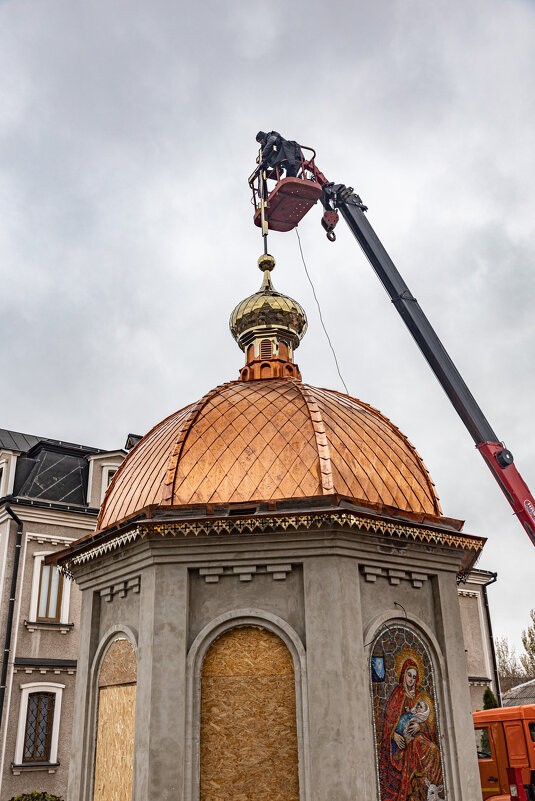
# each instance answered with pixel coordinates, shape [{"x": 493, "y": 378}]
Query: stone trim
[
  {"x": 50, "y": 539},
  {"x": 244, "y": 572},
  {"x": 371, "y": 574},
  {"x": 121, "y": 589}
]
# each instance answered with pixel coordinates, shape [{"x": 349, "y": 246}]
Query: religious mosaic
[{"x": 408, "y": 753}]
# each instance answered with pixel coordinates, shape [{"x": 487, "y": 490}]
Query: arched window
[
  {"x": 114, "y": 758},
  {"x": 249, "y": 745},
  {"x": 406, "y": 715}
]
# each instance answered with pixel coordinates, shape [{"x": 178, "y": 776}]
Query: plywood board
[
  {"x": 115, "y": 743},
  {"x": 119, "y": 665},
  {"x": 248, "y": 720}
]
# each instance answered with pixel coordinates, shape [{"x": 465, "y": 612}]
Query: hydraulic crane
[{"x": 282, "y": 208}]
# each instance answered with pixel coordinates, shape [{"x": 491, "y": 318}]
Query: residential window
[
  {"x": 50, "y": 593},
  {"x": 38, "y": 726},
  {"x": 38, "y": 730}
]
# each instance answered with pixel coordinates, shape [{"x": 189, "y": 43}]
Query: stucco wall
[{"x": 333, "y": 592}]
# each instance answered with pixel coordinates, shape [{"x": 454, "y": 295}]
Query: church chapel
[{"x": 269, "y": 601}]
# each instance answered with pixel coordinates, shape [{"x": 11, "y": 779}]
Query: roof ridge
[
  {"x": 412, "y": 448},
  {"x": 322, "y": 443},
  {"x": 168, "y": 488}
]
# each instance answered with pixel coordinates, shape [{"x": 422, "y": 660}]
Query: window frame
[
  {"x": 63, "y": 602},
  {"x": 26, "y": 691},
  {"x": 48, "y": 618},
  {"x": 105, "y": 481}
]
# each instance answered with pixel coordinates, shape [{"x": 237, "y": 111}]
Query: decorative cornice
[{"x": 264, "y": 524}]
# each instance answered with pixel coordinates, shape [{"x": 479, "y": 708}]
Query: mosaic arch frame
[
  {"x": 407, "y": 717},
  {"x": 240, "y": 618},
  {"x": 115, "y": 632}
]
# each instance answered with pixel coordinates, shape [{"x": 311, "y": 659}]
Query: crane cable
[{"x": 320, "y": 314}]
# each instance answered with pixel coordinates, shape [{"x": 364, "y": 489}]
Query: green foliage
[
  {"x": 489, "y": 699},
  {"x": 528, "y": 641},
  {"x": 35, "y": 796}
]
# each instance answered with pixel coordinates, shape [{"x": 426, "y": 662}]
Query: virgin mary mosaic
[{"x": 409, "y": 758}]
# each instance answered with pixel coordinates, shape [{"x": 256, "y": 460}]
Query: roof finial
[{"x": 266, "y": 263}]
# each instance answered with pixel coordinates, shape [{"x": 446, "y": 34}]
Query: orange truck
[{"x": 505, "y": 742}]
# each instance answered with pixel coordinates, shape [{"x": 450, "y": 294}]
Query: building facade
[
  {"x": 270, "y": 602},
  {"x": 50, "y": 493},
  {"x": 478, "y": 637}
]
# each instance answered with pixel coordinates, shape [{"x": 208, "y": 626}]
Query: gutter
[
  {"x": 491, "y": 637},
  {"x": 11, "y": 609}
]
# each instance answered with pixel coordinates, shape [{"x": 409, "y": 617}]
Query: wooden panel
[
  {"x": 248, "y": 722},
  {"x": 119, "y": 665},
  {"x": 115, "y": 743}
]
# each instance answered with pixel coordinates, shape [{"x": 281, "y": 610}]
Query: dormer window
[{"x": 108, "y": 472}]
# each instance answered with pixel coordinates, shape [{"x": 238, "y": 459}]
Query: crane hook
[{"x": 331, "y": 236}]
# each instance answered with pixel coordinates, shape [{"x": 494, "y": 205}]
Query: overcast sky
[{"x": 126, "y": 237}]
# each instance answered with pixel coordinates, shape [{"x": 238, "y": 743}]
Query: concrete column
[
  {"x": 161, "y": 684},
  {"x": 457, "y": 723},
  {"x": 80, "y": 769},
  {"x": 341, "y": 737}
]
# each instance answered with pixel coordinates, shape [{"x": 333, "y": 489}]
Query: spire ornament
[{"x": 268, "y": 326}]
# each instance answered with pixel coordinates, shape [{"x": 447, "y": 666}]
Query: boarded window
[
  {"x": 248, "y": 719},
  {"x": 114, "y": 759}
]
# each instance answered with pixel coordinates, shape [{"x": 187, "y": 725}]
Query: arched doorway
[
  {"x": 248, "y": 719},
  {"x": 114, "y": 758}
]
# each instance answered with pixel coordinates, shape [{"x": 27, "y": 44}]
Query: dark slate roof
[
  {"x": 521, "y": 694},
  {"x": 15, "y": 441},
  {"x": 49, "y": 470}
]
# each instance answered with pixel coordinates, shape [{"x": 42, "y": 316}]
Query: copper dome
[{"x": 270, "y": 440}]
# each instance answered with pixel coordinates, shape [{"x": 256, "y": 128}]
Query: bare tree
[
  {"x": 527, "y": 659},
  {"x": 510, "y": 669}
]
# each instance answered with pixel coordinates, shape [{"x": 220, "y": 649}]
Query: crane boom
[
  {"x": 284, "y": 207},
  {"x": 498, "y": 459}
]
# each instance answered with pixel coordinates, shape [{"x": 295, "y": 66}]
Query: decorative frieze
[{"x": 263, "y": 524}]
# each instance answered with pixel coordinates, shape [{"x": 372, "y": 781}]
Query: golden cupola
[{"x": 268, "y": 326}]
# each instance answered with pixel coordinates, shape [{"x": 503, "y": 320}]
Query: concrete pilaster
[
  {"x": 464, "y": 771},
  {"x": 161, "y": 684},
  {"x": 80, "y": 767},
  {"x": 341, "y": 741}
]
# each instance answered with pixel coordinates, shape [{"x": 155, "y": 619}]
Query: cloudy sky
[{"x": 126, "y": 238}]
